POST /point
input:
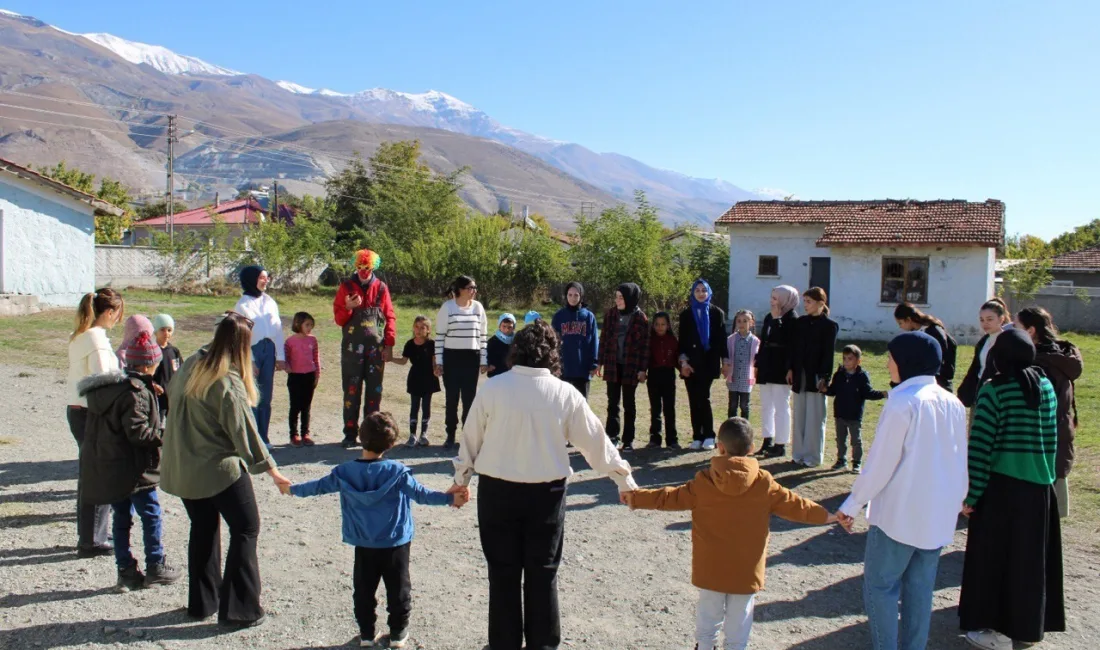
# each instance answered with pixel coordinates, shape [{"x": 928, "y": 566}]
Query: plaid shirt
[{"x": 637, "y": 348}]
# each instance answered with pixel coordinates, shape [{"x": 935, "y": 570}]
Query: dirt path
[{"x": 624, "y": 583}]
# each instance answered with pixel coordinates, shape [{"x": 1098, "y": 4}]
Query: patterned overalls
[{"x": 362, "y": 363}]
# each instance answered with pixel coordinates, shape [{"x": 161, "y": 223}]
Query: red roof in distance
[{"x": 239, "y": 212}]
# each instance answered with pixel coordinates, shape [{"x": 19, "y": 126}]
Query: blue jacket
[
  {"x": 579, "y": 341},
  {"x": 375, "y": 500},
  {"x": 850, "y": 391}
]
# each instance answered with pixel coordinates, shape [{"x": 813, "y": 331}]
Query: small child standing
[
  {"x": 731, "y": 505},
  {"x": 120, "y": 459},
  {"x": 303, "y": 361},
  {"x": 664, "y": 360},
  {"x": 742, "y": 346},
  {"x": 170, "y": 362},
  {"x": 500, "y": 346},
  {"x": 376, "y": 498},
  {"x": 850, "y": 389},
  {"x": 421, "y": 383}
]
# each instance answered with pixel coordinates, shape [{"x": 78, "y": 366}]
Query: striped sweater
[
  {"x": 460, "y": 328},
  {"x": 1009, "y": 438}
]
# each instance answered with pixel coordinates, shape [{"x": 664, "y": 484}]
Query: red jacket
[
  {"x": 376, "y": 294},
  {"x": 664, "y": 351}
]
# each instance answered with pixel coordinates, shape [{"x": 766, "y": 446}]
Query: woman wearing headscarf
[
  {"x": 623, "y": 360},
  {"x": 267, "y": 340},
  {"x": 811, "y": 368},
  {"x": 364, "y": 311},
  {"x": 777, "y": 336},
  {"x": 912, "y": 484},
  {"x": 1012, "y": 575},
  {"x": 702, "y": 352}
]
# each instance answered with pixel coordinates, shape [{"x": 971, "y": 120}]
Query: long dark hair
[
  {"x": 536, "y": 346},
  {"x": 818, "y": 294},
  {"x": 997, "y": 306},
  {"x": 907, "y": 311},
  {"x": 1040, "y": 319},
  {"x": 459, "y": 283}
]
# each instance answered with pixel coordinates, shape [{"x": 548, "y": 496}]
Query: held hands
[
  {"x": 387, "y": 353},
  {"x": 967, "y": 510},
  {"x": 599, "y": 372},
  {"x": 157, "y": 389},
  {"x": 281, "y": 482},
  {"x": 844, "y": 520},
  {"x": 438, "y": 371},
  {"x": 790, "y": 377},
  {"x": 627, "y": 498},
  {"x": 280, "y": 366},
  {"x": 492, "y": 368},
  {"x": 642, "y": 377},
  {"x": 484, "y": 369},
  {"x": 822, "y": 387},
  {"x": 461, "y": 495},
  {"x": 686, "y": 370}
]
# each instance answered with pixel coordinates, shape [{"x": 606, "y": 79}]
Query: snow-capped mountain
[{"x": 160, "y": 58}]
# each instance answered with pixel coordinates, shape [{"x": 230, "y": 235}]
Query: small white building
[
  {"x": 868, "y": 256},
  {"x": 47, "y": 237}
]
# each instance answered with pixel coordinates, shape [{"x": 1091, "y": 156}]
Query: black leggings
[
  {"x": 460, "y": 375},
  {"x": 423, "y": 404}
]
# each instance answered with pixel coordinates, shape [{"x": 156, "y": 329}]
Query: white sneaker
[
  {"x": 399, "y": 639},
  {"x": 370, "y": 643},
  {"x": 695, "y": 445},
  {"x": 708, "y": 444},
  {"x": 411, "y": 443},
  {"x": 989, "y": 640}
]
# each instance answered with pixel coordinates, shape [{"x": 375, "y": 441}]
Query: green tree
[
  {"x": 1078, "y": 239},
  {"x": 1023, "y": 247},
  {"x": 108, "y": 228}
]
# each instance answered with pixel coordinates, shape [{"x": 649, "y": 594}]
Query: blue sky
[{"x": 847, "y": 100}]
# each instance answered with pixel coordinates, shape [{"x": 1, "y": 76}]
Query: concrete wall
[
  {"x": 47, "y": 244},
  {"x": 1079, "y": 279},
  {"x": 143, "y": 267},
  {"x": 960, "y": 279},
  {"x": 1066, "y": 307}
]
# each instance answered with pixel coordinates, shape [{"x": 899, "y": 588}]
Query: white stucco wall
[
  {"x": 960, "y": 279},
  {"x": 47, "y": 244}
]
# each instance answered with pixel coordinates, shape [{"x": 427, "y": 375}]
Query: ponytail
[
  {"x": 92, "y": 306},
  {"x": 906, "y": 311},
  {"x": 460, "y": 283},
  {"x": 1040, "y": 319},
  {"x": 997, "y": 306}
]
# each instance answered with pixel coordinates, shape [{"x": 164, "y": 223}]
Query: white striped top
[{"x": 460, "y": 328}]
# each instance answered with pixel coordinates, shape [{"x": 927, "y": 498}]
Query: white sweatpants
[
  {"x": 733, "y": 611},
  {"x": 775, "y": 412}
]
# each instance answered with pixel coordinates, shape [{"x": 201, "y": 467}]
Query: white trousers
[
  {"x": 718, "y": 610},
  {"x": 775, "y": 412},
  {"x": 810, "y": 409}
]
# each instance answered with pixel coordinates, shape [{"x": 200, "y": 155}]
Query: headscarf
[
  {"x": 531, "y": 317},
  {"x": 505, "y": 338},
  {"x": 160, "y": 321},
  {"x": 632, "y": 295},
  {"x": 701, "y": 312},
  {"x": 915, "y": 354},
  {"x": 1013, "y": 357},
  {"x": 580, "y": 289},
  {"x": 250, "y": 276},
  {"x": 787, "y": 298},
  {"x": 366, "y": 261},
  {"x": 134, "y": 326}
]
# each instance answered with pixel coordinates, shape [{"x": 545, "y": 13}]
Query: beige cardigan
[{"x": 90, "y": 354}]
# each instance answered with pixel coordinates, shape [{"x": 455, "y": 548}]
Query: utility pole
[
  {"x": 274, "y": 200},
  {"x": 170, "y": 226}
]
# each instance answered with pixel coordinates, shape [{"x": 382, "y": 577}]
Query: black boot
[
  {"x": 765, "y": 447},
  {"x": 776, "y": 451}
]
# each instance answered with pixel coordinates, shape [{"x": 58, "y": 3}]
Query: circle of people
[{"x": 143, "y": 418}]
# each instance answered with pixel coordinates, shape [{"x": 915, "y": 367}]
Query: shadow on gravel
[
  {"x": 944, "y": 633},
  {"x": 41, "y": 496},
  {"x": 26, "y": 521},
  {"x": 21, "y": 600},
  {"x": 31, "y": 556},
  {"x": 166, "y": 626},
  {"x": 37, "y": 472}
]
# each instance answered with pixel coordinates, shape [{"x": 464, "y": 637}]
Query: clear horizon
[{"x": 940, "y": 100}]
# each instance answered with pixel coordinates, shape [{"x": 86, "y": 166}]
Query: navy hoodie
[
  {"x": 849, "y": 391},
  {"x": 576, "y": 327},
  {"x": 375, "y": 500}
]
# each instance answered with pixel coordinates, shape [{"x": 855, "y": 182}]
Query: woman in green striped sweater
[{"x": 1012, "y": 576}]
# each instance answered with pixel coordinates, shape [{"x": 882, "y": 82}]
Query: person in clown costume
[{"x": 364, "y": 311}]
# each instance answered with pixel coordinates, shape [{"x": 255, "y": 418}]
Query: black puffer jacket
[
  {"x": 776, "y": 344},
  {"x": 814, "y": 345},
  {"x": 121, "y": 450},
  {"x": 968, "y": 389}
]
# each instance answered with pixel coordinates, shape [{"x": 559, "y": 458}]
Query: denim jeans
[
  {"x": 263, "y": 358},
  {"x": 893, "y": 571},
  {"x": 147, "y": 505}
]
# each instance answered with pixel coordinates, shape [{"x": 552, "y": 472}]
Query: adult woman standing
[
  {"x": 461, "y": 333},
  {"x": 777, "y": 337},
  {"x": 623, "y": 360},
  {"x": 993, "y": 318},
  {"x": 267, "y": 340},
  {"x": 811, "y": 367},
  {"x": 211, "y": 445},
  {"x": 1063, "y": 365},
  {"x": 90, "y": 354},
  {"x": 516, "y": 441},
  {"x": 1012, "y": 575},
  {"x": 911, "y": 319},
  {"x": 702, "y": 352}
]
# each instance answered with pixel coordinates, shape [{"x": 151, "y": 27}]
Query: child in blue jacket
[
  {"x": 575, "y": 326},
  {"x": 850, "y": 389},
  {"x": 375, "y": 501}
]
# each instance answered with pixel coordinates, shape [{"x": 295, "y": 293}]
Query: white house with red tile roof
[{"x": 868, "y": 256}]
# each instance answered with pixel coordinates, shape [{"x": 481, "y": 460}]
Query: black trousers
[
  {"x": 234, "y": 595},
  {"x": 522, "y": 528},
  {"x": 300, "y": 385},
  {"x": 616, "y": 393},
  {"x": 661, "y": 385},
  {"x": 580, "y": 384},
  {"x": 421, "y": 406},
  {"x": 738, "y": 402},
  {"x": 460, "y": 373},
  {"x": 92, "y": 522},
  {"x": 390, "y": 566},
  {"x": 702, "y": 416}
]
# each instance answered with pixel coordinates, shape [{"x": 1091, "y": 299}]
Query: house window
[
  {"x": 768, "y": 265},
  {"x": 905, "y": 279}
]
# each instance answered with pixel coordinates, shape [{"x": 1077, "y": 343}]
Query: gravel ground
[{"x": 624, "y": 581}]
